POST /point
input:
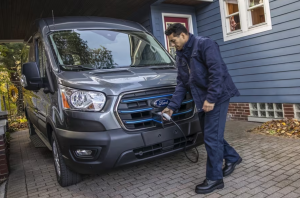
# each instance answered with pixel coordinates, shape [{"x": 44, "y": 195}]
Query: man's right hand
[{"x": 167, "y": 111}]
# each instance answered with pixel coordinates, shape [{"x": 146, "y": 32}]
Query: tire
[
  {"x": 30, "y": 128},
  {"x": 65, "y": 177}
]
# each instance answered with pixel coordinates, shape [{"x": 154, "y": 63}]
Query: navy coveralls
[{"x": 202, "y": 71}]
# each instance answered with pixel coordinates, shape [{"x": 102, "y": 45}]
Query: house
[{"x": 259, "y": 40}]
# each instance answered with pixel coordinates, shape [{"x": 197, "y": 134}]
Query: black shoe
[
  {"x": 208, "y": 186},
  {"x": 229, "y": 167}
]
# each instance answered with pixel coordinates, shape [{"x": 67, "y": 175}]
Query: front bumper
[{"x": 115, "y": 148}]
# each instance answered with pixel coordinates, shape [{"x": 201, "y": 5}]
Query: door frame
[{"x": 187, "y": 16}]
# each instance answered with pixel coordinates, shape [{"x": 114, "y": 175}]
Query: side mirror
[{"x": 31, "y": 79}]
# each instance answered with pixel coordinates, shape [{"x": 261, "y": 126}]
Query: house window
[
  {"x": 266, "y": 110},
  {"x": 297, "y": 111},
  {"x": 244, "y": 17}
]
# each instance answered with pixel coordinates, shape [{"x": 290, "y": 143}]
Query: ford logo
[{"x": 161, "y": 102}]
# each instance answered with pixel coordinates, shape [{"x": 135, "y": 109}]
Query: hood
[{"x": 116, "y": 81}]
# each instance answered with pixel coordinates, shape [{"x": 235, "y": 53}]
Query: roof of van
[{"x": 80, "y": 22}]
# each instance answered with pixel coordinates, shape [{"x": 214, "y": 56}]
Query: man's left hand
[{"x": 207, "y": 107}]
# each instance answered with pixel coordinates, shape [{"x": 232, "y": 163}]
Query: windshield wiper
[
  {"x": 157, "y": 64},
  {"x": 78, "y": 67}
]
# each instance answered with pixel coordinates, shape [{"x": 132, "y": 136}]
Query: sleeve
[
  {"x": 212, "y": 57},
  {"x": 178, "y": 95}
]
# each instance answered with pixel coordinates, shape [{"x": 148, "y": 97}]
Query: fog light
[{"x": 82, "y": 152}]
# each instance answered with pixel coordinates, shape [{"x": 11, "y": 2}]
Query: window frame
[
  {"x": 245, "y": 20},
  {"x": 297, "y": 111}
]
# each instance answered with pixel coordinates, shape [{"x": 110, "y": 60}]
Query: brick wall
[
  {"x": 3, "y": 158},
  {"x": 288, "y": 110},
  {"x": 239, "y": 111}
]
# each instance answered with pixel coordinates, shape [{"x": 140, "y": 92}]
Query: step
[{"x": 37, "y": 142}]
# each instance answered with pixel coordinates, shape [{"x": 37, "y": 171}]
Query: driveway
[{"x": 270, "y": 168}]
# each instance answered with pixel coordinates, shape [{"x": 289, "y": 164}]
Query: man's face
[{"x": 178, "y": 41}]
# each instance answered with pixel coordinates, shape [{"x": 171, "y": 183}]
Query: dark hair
[{"x": 176, "y": 29}]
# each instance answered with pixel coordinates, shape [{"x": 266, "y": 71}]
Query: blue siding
[
  {"x": 143, "y": 16},
  {"x": 157, "y": 21},
  {"x": 264, "y": 66}
]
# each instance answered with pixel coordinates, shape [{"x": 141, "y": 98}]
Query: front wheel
[{"x": 65, "y": 176}]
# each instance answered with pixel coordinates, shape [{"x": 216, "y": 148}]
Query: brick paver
[{"x": 270, "y": 168}]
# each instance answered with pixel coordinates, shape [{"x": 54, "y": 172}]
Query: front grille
[
  {"x": 136, "y": 110},
  {"x": 163, "y": 147}
]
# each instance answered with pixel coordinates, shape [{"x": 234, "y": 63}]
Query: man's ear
[{"x": 183, "y": 35}]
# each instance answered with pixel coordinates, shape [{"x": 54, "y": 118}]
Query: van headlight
[{"x": 82, "y": 100}]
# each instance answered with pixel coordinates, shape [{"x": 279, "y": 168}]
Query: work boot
[
  {"x": 208, "y": 186},
  {"x": 229, "y": 167}
]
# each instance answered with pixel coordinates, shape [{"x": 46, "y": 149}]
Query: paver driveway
[{"x": 271, "y": 167}]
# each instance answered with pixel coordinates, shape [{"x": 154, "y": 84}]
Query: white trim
[
  {"x": 296, "y": 110},
  {"x": 246, "y": 29},
  {"x": 266, "y": 111},
  {"x": 256, "y": 119},
  {"x": 187, "y": 16}
]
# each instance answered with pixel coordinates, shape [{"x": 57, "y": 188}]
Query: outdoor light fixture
[{"x": 83, "y": 152}]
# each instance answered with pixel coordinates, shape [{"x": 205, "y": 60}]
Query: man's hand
[
  {"x": 207, "y": 107},
  {"x": 167, "y": 111}
]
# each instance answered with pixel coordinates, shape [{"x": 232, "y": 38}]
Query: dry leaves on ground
[{"x": 286, "y": 127}]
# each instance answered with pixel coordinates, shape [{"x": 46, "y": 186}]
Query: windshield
[{"x": 107, "y": 49}]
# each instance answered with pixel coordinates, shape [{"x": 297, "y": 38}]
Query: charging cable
[{"x": 170, "y": 119}]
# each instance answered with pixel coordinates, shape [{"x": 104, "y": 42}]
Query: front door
[{"x": 170, "y": 20}]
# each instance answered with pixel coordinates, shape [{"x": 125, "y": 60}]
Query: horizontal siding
[
  {"x": 143, "y": 17},
  {"x": 267, "y": 77},
  {"x": 147, "y": 23},
  {"x": 265, "y": 66},
  {"x": 271, "y": 92},
  {"x": 269, "y": 84},
  {"x": 293, "y": 66},
  {"x": 266, "y": 62},
  {"x": 263, "y": 55},
  {"x": 266, "y": 99},
  {"x": 280, "y": 43}
]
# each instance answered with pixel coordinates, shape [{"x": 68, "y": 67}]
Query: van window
[
  {"x": 42, "y": 61},
  {"x": 106, "y": 49}
]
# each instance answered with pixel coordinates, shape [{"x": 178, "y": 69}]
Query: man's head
[{"x": 177, "y": 35}]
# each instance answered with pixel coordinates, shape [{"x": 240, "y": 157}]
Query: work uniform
[{"x": 202, "y": 72}]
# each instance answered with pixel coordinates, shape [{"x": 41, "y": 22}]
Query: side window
[
  {"x": 42, "y": 60},
  {"x": 25, "y": 54}
]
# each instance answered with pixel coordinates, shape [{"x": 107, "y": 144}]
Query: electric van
[{"x": 93, "y": 88}]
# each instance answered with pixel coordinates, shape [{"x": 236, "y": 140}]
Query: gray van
[{"x": 94, "y": 87}]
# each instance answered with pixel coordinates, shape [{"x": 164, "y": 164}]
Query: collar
[{"x": 187, "y": 46}]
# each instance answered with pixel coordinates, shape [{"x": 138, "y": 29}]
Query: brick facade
[
  {"x": 239, "y": 111},
  {"x": 288, "y": 110},
  {"x": 4, "y": 160}
]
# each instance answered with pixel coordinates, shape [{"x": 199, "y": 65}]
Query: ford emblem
[{"x": 161, "y": 102}]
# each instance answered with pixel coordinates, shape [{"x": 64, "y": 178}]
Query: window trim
[
  {"x": 296, "y": 110},
  {"x": 187, "y": 16},
  {"x": 259, "y": 118},
  {"x": 245, "y": 19}
]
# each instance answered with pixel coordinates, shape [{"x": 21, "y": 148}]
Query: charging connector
[{"x": 170, "y": 119}]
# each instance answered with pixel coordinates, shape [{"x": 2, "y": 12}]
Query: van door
[
  {"x": 30, "y": 97},
  {"x": 43, "y": 100}
]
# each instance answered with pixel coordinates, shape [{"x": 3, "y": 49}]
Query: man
[{"x": 202, "y": 72}]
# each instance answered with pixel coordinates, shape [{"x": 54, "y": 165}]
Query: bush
[{"x": 17, "y": 123}]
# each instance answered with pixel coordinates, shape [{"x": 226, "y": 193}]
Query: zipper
[{"x": 188, "y": 67}]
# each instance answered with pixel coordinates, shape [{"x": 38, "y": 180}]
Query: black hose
[{"x": 197, "y": 158}]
